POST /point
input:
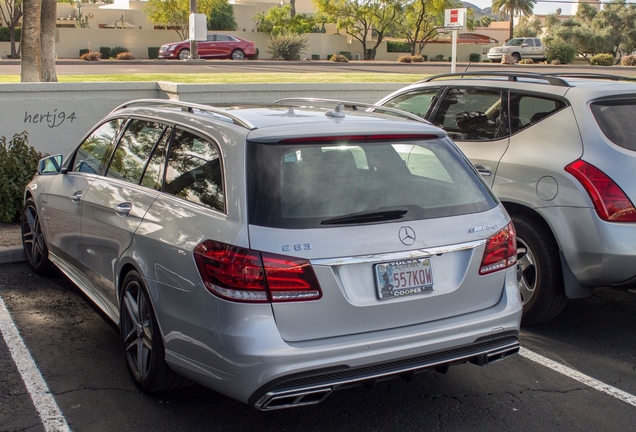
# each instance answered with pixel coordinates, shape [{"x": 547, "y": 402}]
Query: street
[{"x": 79, "y": 356}]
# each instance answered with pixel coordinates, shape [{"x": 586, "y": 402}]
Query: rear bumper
[
  {"x": 308, "y": 389},
  {"x": 269, "y": 373}
]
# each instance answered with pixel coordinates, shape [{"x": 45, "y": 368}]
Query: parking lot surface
[{"x": 79, "y": 357}]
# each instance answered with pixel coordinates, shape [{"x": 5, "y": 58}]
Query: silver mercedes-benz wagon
[{"x": 276, "y": 253}]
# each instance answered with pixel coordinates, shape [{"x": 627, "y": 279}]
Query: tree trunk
[
  {"x": 292, "y": 3},
  {"x": 512, "y": 25},
  {"x": 30, "y": 44},
  {"x": 47, "y": 41}
]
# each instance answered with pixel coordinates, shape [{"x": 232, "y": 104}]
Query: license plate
[{"x": 404, "y": 278}]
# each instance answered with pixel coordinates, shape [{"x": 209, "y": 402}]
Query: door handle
[
  {"x": 483, "y": 170},
  {"x": 77, "y": 196},
  {"x": 123, "y": 209}
]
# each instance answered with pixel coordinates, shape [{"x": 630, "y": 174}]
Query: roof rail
[
  {"x": 591, "y": 75},
  {"x": 511, "y": 75},
  {"x": 348, "y": 104},
  {"x": 189, "y": 107}
]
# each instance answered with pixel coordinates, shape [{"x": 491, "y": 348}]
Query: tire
[
  {"x": 142, "y": 341},
  {"x": 517, "y": 56},
  {"x": 184, "y": 54},
  {"x": 33, "y": 241},
  {"x": 539, "y": 274},
  {"x": 238, "y": 54}
]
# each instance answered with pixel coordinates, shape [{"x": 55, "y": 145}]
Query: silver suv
[
  {"x": 519, "y": 48},
  {"x": 559, "y": 152},
  {"x": 276, "y": 253}
]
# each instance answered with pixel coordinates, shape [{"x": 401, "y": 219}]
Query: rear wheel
[
  {"x": 238, "y": 54},
  {"x": 33, "y": 242},
  {"x": 143, "y": 345},
  {"x": 540, "y": 276},
  {"x": 184, "y": 54}
]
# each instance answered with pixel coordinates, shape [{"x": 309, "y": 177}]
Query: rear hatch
[{"x": 394, "y": 230}]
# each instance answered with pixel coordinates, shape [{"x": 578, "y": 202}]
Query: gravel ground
[{"x": 10, "y": 234}]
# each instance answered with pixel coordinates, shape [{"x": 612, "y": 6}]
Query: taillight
[
  {"x": 500, "y": 252},
  {"x": 610, "y": 202},
  {"x": 246, "y": 275}
]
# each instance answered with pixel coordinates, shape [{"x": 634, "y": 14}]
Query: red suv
[{"x": 216, "y": 46}]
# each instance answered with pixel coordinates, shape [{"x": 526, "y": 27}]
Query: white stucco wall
[{"x": 57, "y": 115}]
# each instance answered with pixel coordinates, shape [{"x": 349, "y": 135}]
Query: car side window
[
  {"x": 194, "y": 170},
  {"x": 417, "y": 102},
  {"x": 529, "y": 42},
  {"x": 471, "y": 114},
  {"x": 153, "y": 175},
  {"x": 526, "y": 109},
  {"x": 95, "y": 151},
  {"x": 132, "y": 153},
  {"x": 211, "y": 38}
]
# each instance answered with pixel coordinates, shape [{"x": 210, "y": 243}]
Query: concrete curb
[{"x": 11, "y": 254}]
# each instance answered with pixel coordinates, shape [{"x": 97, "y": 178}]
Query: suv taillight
[
  {"x": 500, "y": 252},
  {"x": 610, "y": 202},
  {"x": 246, "y": 275}
]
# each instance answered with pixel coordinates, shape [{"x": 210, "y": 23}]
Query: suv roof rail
[
  {"x": 592, "y": 75},
  {"x": 334, "y": 103},
  {"x": 189, "y": 107},
  {"x": 511, "y": 75}
]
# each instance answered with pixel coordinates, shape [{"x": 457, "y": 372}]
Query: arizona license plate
[{"x": 404, "y": 278}]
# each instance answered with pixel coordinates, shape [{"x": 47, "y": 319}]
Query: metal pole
[
  {"x": 454, "y": 53},
  {"x": 194, "y": 45}
]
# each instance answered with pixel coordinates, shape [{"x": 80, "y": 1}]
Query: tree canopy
[
  {"x": 283, "y": 20},
  {"x": 510, "y": 8},
  {"x": 175, "y": 14}
]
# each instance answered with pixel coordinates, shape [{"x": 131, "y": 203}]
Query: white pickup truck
[{"x": 519, "y": 48}]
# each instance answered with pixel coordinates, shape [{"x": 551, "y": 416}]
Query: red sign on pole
[{"x": 454, "y": 16}]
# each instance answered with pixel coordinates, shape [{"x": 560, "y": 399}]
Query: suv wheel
[{"x": 540, "y": 277}]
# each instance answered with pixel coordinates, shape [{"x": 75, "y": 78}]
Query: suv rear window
[
  {"x": 615, "y": 118},
  {"x": 306, "y": 185}
]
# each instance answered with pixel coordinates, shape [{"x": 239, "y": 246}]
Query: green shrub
[
  {"x": 475, "y": 57},
  {"x": 105, "y": 53},
  {"x": 18, "y": 164},
  {"x": 418, "y": 58},
  {"x": 628, "y": 61},
  {"x": 83, "y": 51},
  {"x": 405, "y": 59},
  {"x": 439, "y": 57},
  {"x": 124, "y": 56},
  {"x": 287, "y": 46},
  {"x": 561, "y": 52},
  {"x": 91, "y": 56},
  {"x": 338, "y": 58},
  {"x": 116, "y": 50},
  {"x": 602, "y": 60},
  {"x": 5, "y": 37},
  {"x": 399, "y": 47}
]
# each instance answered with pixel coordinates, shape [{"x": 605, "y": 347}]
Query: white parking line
[
  {"x": 49, "y": 412},
  {"x": 578, "y": 376}
]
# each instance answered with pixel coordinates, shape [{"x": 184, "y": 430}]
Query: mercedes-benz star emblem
[{"x": 407, "y": 235}]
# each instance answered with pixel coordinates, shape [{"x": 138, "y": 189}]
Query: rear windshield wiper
[{"x": 377, "y": 215}]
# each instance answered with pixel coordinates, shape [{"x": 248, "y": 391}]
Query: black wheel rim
[
  {"x": 137, "y": 330},
  {"x": 32, "y": 238},
  {"x": 527, "y": 271}
]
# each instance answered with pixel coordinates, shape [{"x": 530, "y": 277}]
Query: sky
[{"x": 543, "y": 7}]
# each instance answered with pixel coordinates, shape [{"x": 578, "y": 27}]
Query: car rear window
[
  {"x": 310, "y": 185},
  {"x": 615, "y": 118}
]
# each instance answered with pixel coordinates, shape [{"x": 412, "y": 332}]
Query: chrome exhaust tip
[{"x": 289, "y": 399}]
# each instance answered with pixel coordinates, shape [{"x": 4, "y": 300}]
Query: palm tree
[{"x": 512, "y": 7}]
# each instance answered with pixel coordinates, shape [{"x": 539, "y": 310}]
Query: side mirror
[
  {"x": 524, "y": 45},
  {"x": 50, "y": 165}
]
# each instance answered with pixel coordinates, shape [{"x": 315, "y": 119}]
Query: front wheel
[
  {"x": 141, "y": 338},
  {"x": 33, "y": 242},
  {"x": 184, "y": 54},
  {"x": 517, "y": 56},
  {"x": 238, "y": 54},
  {"x": 539, "y": 271}
]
